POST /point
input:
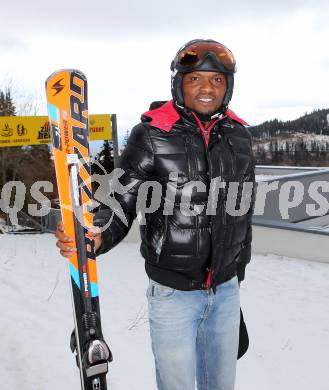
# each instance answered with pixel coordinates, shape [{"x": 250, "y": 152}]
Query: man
[{"x": 195, "y": 250}]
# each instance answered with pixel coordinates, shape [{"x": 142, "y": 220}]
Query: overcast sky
[{"x": 125, "y": 49}]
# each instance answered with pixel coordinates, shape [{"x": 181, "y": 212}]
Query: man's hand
[
  {"x": 63, "y": 241},
  {"x": 95, "y": 234}
]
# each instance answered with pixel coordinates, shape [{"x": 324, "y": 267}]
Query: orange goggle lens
[{"x": 194, "y": 53}]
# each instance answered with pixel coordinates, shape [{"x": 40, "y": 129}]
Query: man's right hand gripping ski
[{"x": 64, "y": 242}]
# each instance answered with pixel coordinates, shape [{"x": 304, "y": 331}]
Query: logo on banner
[
  {"x": 6, "y": 131},
  {"x": 44, "y": 132},
  {"x": 21, "y": 130}
]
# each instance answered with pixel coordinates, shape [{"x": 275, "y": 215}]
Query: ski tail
[{"x": 67, "y": 97}]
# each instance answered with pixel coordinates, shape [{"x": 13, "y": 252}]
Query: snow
[{"x": 285, "y": 304}]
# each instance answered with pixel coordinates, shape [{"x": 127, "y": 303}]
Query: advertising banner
[{"x": 35, "y": 130}]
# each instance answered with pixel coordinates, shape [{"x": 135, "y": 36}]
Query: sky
[{"x": 125, "y": 49}]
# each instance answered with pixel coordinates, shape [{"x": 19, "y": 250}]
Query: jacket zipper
[
  {"x": 209, "y": 280},
  {"x": 162, "y": 239},
  {"x": 208, "y": 283}
]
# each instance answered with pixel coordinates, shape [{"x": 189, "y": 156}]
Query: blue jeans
[{"x": 195, "y": 336}]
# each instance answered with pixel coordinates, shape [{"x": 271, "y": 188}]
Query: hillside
[{"x": 303, "y": 141}]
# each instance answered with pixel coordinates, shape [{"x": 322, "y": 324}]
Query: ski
[{"x": 66, "y": 92}]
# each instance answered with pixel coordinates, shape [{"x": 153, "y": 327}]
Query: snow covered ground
[{"x": 285, "y": 303}]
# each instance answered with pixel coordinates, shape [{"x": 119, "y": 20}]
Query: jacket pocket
[
  {"x": 240, "y": 158},
  {"x": 191, "y": 158},
  {"x": 233, "y": 156}
]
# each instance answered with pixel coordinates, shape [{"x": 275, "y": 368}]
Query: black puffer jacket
[{"x": 184, "y": 251}]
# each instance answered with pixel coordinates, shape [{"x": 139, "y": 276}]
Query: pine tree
[
  {"x": 103, "y": 164},
  {"x": 125, "y": 139},
  {"x": 105, "y": 157},
  {"x": 7, "y": 107}
]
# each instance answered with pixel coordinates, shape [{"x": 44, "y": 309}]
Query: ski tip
[{"x": 67, "y": 71}]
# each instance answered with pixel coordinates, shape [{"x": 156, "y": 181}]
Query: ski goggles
[{"x": 192, "y": 55}]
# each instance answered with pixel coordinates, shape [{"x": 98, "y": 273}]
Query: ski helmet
[{"x": 203, "y": 55}]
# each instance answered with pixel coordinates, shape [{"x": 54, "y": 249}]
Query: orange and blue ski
[{"x": 68, "y": 117}]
